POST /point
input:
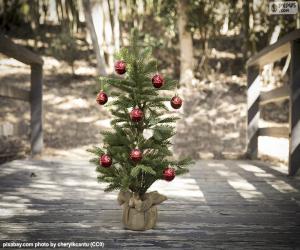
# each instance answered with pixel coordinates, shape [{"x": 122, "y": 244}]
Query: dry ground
[
  {"x": 71, "y": 116},
  {"x": 213, "y": 123}
]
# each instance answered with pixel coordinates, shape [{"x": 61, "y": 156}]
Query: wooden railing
[
  {"x": 34, "y": 96},
  {"x": 289, "y": 44}
]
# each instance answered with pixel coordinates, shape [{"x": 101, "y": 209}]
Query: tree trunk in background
[
  {"x": 90, "y": 11},
  {"x": 98, "y": 21},
  {"x": 60, "y": 12},
  {"x": 81, "y": 12},
  {"x": 186, "y": 45},
  {"x": 73, "y": 17},
  {"x": 298, "y": 20},
  {"x": 246, "y": 16},
  {"x": 108, "y": 34},
  {"x": 35, "y": 22},
  {"x": 53, "y": 12},
  {"x": 116, "y": 25}
]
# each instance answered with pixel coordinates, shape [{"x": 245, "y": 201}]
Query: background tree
[
  {"x": 186, "y": 44},
  {"x": 107, "y": 21},
  {"x": 94, "y": 25}
]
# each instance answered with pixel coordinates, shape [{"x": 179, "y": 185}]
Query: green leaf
[
  {"x": 169, "y": 84},
  {"x": 95, "y": 150},
  {"x": 138, "y": 168},
  {"x": 147, "y": 169},
  {"x": 112, "y": 187},
  {"x": 135, "y": 171},
  {"x": 95, "y": 161},
  {"x": 169, "y": 120},
  {"x": 157, "y": 136},
  {"x": 146, "y": 53}
]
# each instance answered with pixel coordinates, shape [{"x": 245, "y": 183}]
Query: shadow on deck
[{"x": 220, "y": 204}]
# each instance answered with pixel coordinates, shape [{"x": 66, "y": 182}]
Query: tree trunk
[
  {"x": 116, "y": 25},
  {"x": 81, "y": 16},
  {"x": 108, "y": 34},
  {"x": 90, "y": 12},
  {"x": 246, "y": 16},
  {"x": 186, "y": 45},
  {"x": 53, "y": 12},
  {"x": 35, "y": 22}
]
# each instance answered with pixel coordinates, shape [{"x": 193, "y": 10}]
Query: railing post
[
  {"x": 294, "y": 151},
  {"x": 36, "y": 107},
  {"x": 253, "y": 93}
]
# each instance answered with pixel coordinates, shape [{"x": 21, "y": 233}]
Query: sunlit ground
[
  {"x": 274, "y": 147},
  {"x": 240, "y": 199}
]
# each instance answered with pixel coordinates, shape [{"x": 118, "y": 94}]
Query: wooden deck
[{"x": 219, "y": 205}]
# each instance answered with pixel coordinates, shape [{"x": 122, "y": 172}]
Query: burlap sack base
[{"x": 140, "y": 214}]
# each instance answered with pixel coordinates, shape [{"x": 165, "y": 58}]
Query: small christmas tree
[{"x": 137, "y": 152}]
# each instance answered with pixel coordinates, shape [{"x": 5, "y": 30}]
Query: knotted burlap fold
[{"x": 140, "y": 213}]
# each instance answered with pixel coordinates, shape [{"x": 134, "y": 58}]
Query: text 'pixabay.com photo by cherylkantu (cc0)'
[{"x": 149, "y": 124}]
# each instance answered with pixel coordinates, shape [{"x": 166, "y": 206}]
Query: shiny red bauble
[
  {"x": 169, "y": 174},
  {"x": 136, "y": 115},
  {"x": 176, "y": 102},
  {"x": 120, "y": 67},
  {"x": 105, "y": 161},
  {"x": 101, "y": 98},
  {"x": 157, "y": 81},
  {"x": 136, "y": 155}
]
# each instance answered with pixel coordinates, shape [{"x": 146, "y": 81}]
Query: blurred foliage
[
  {"x": 64, "y": 47},
  {"x": 12, "y": 12},
  {"x": 248, "y": 22}
]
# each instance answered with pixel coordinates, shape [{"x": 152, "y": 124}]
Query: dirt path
[
  {"x": 213, "y": 123},
  {"x": 71, "y": 116}
]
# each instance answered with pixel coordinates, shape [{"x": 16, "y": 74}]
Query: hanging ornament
[
  {"x": 105, "y": 161},
  {"x": 157, "y": 81},
  {"x": 176, "y": 102},
  {"x": 101, "y": 98},
  {"x": 136, "y": 115},
  {"x": 136, "y": 155},
  {"x": 120, "y": 67},
  {"x": 169, "y": 174}
]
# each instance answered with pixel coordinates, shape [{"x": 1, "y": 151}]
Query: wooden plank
[
  {"x": 253, "y": 93},
  {"x": 271, "y": 55},
  {"x": 18, "y": 52},
  {"x": 36, "y": 106},
  {"x": 294, "y": 150},
  {"x": 13, "y": 92},
  {"x": 275, "y": 51},
  {"x": 282, "y": 132},
  {"x": 201, "y": 212},
  {"x": 274, "y": 95}
]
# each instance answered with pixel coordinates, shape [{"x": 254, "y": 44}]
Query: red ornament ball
[
  {"x": 120, "y": 67},
  {"x": 105, "y": 161},
  {"x": 169, "y": 174},
  {"x": 176, "y": 102},
  {"x": 157, "y": 81},
  {"x": 136, "y": 155},
  {"x": 136, "y": 115},
  {"x": 101, "y": 98}
]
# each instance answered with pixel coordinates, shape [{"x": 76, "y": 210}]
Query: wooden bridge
[
  {"x": 220, "y": 204},
  {"x": 288, "y": 45}
]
